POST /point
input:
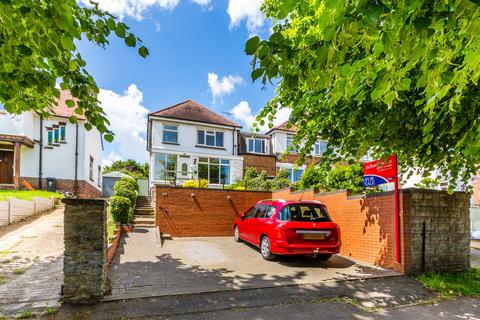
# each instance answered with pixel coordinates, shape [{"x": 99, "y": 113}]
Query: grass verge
[
  {"x": 26, "y": 195},
  {"x": 450, "y": 285}
]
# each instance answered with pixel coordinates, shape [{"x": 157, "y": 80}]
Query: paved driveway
[
  {"x": 142, "y": 268},
  {"x": 31, "y": 262}
]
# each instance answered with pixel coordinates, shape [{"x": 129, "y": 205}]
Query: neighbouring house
[
  {"x": 282, "y": 141},
  {"x": 257, "y": 152},
  {"x": 34, "y": 148},
  {"x": 189, "y": 141}
]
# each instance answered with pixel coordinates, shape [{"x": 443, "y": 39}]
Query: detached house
[
  {"x": 34, "y": 148},
  {"x": 188, "y": 141}
]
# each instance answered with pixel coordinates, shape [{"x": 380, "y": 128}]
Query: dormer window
[
  {"x": 255, "y": 145},
  {"x": 170, "y": 133}
]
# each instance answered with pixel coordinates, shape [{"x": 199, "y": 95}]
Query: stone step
[
  {"x": 144, "y": 225},
  {"x": 166, "y": 236},
  {"x": 145, "y": 209},
  {"x": 145, "y": 216},
  {"x": 143, "y": 220}
]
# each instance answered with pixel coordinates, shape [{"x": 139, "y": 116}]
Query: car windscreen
[{"x": 304, "y": 212}]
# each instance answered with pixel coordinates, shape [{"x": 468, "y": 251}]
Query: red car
[{"x": 280, "y": 227}]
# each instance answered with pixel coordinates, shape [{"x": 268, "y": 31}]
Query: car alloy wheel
[
  {"x": 236, "y": 234},
  {"x": 265, "y": 249}
]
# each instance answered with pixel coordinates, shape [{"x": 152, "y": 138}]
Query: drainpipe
[
  {"x": 40, "y": 154},
  {"x": 233, "y": 141},
  {"x": 75, "y": 185}
]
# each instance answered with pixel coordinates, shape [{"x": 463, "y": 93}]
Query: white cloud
[
  {"x": 243, "y": 113},
  {"x": 132, "y": 8},
  {"x": 222, "y": 87},
  {"x": 248, "y": 10},
  {"x": 111, "y": 158},
  {"x": 204, "y": 3},
  {"x": 128, "y": 120}
]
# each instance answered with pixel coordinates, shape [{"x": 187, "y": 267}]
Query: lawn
[
  {"x": 450, "y": 285},
  {"x": 26, "y": 195}
]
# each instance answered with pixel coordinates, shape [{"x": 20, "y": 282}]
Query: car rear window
[{"x": 304, "y": 212}]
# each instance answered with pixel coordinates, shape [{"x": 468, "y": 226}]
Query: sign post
[{"x": 385, "y": 171}]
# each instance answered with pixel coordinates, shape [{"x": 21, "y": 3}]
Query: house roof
[
  {"x": 283, "y": 127},
  {"x": 115, "y": 174},
  {"x": 191, "y": 111},
  {"x": 62, "y": 110}
]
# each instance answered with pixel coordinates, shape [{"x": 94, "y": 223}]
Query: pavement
[
  {"x": 143, "y": 268},
  {"x": 31, "y": 263},
  {"x": 379, "y": 298}
]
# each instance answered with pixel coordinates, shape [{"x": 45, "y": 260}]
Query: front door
[
  {"x": 183, "y": 169},
  {"x": 6, "y": 167}
]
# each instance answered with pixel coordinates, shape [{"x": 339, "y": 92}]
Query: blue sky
[{"x": 196, "y": 52}]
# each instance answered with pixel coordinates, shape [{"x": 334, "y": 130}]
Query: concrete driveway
[{"x": 143, "y": 268}]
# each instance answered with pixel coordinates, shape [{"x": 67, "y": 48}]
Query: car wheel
[
  {"x": 324, "y": 257},
  {"x": 236, "y": 234},
  {"x": 265, "y": 249}
]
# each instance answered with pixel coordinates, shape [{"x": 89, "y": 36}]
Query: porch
[{"x": 10, "y": 153}]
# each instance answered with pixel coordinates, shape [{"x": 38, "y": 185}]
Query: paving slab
[{"x": 143, "y": 268}]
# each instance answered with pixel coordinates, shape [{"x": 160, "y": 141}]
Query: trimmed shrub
[
  {"x": 121, "y": 209},
  {"x": 131, "y": 181},
  {"x": 125, "y": 191},
  {"x": 202, "y": 183}
]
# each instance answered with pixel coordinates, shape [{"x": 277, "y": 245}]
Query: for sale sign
[{"x": 380, "y": 171}]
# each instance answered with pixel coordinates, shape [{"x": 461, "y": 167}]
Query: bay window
[
  {"x": 216, "y": 171},
  {"x": 256, "y": 145},
  {"x": 165, "y": 166},
  {"x": 210, "y": 138}
]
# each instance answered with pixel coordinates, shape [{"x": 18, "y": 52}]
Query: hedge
[
  {"x": 121, "y": 209},
  {"x": 125, "y": 191},
  {"x": 202, "y": 183},
  {"x": 131, "y": 181}
]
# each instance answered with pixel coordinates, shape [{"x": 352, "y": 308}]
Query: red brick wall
[
  {"x": 84, "y": 189},
  {"x": 366, "y": 223},
  {"x": 208, "y": 213},
  {"x": 267, "y": 163}
]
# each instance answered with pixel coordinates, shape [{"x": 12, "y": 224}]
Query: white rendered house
[
  {"x": 189, "y": 141},
  {"x": 34, "y": 148}
]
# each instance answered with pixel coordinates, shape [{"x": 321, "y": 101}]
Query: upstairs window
[
  {"x": 170, "y": 133},
  {"x": 320, "y": 147},
  {"x": 90, "y": 169},
  {"x": 99, "y": 176},
  {"x": 210, "y": 138},
  {"x": 63, "y": 133},
  {"x": 256, "y": 145},
  {"x": 50, "y": 136},
  {"x": 56, "y": 135},
  {"x": 290, "y": 145}
]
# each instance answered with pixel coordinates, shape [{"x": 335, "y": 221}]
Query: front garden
[{"x": 27, "y": 195}]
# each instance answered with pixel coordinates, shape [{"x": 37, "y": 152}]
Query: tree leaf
[
  {"x": 70, "y": 103},
  {"x": 131, "y": 40},
  {"x": 257, "y": 73},
  {"x": 143, "y": 51},
  {"x": 252, "y": 45}
]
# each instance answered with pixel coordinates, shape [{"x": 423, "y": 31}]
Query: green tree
[
  {"x": 38, "y": 50},
  {"x": 130, "y": 167},
  {"x": 381, "y": 76},
  {"x": 345, "y": 176}
]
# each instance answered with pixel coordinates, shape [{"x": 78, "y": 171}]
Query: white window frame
[
  {"x": 209, "y": 133},
  {"x": 289, "y": 141},
  {"x": 220, "y": 164},
  {"x": 265, "y": 147},
  {"x": 90, "y": 171},
  {"x": 60, "y": 133},
  {"x": 318, "y": 143},
  {"x": 164, "y": 129}
]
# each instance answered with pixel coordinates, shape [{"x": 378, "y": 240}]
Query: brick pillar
[
  {"x": 85, "y": 250},
  {"x": 16, "y": 174}
]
